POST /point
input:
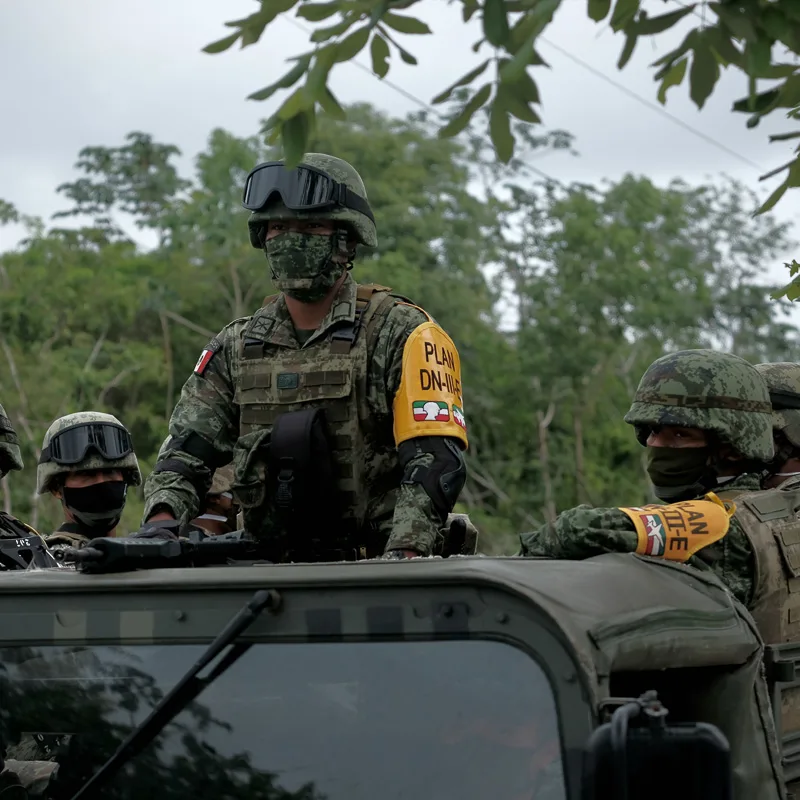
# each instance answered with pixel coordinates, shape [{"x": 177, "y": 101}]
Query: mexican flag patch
[
  {"x": 202, "y": 362},
  {"x": 458, "y": 417},
  {"x": 430, "y": 411}
]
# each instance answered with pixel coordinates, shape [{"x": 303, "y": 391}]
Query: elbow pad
[{"x": 442, "y": 477}]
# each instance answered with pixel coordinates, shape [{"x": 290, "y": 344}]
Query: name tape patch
[
  {"x": 429, "y": 400},
  {"x": 211, "y": 349}
]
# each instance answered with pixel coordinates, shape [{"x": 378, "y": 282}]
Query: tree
[
  {"x": 558, "y": 298},
  {"x": 747, "y": 35}
]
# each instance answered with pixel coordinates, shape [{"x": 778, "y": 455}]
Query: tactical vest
[
  {"x": 330, "y": 373},
  {"x": 771, "y": 521}
]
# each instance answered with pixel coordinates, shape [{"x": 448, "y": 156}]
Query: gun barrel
[{"x": 75, "y": 555}]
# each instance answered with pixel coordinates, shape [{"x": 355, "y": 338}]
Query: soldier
[
  {"x": 783, "y": 380},
  {"x": 221, "y": 510},
  {"x": 11, "y": 527},
  {"x": 87, "y": 463},
  {"x": 339, "y": 404},
  {"x": 705, "y": 419}
]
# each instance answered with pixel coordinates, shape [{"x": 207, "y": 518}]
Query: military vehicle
[{"x": 465, "y": 677}]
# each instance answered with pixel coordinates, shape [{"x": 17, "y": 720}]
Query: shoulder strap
[{"x": 270, "y": 298}]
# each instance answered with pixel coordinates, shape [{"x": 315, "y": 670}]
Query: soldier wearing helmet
[
  {"x": 339, "y": 404},
  {"x": 706, "y": 421},
  {"x": 783, "y": 380},
  {"x": 87, "y": 463},
  {"x": 33, "y": 552}
]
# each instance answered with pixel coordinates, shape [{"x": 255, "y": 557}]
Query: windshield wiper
[{"x": 186, "y": 690}]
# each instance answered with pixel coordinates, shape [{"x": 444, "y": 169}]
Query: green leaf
[
  {"x": 294, "y": 137},
  {"x": 330, "y": 105},
  {"x": 407, "y": 57},
  {"x": 379, "y": 50},
  {"x": 772, "y": 200},
  {"x": 627, "y": 50},
  {"x": 404, "y": 24},
  {"x": 529, "y": 27},
  {"x": 758, "y": 104},
  {"x": 704, "y": 73},
  {"x": 525, "y": 88},
  {"x": 652, "y": 25},
  {"x": 624, "y": 12},
  {"x": 469, "y": 7},
  {"x": 464, "y": 80},
  {"x": 461, "y": 120},
  {"x": 598, "y": 9},
  {"x": 297, "y": 102},
  {"x": 352, "y": 45},
  {"x": 495, "y": 22},
  {"x": 318, "y": 75},
  {"x": 500, "y": 130},
  {"x": 253, "y": 26},
  {"x": 723, "y": 46},
  {"x": 774, "y": 23},
  {"x": 323, "y": 34},
  {"x": 221, "y": 45},
  {"x": 686, "y": 45},
  {"x": 289, "y": 79},
  {"x": 758, "y": 56},
  {"x": 316, "y": 12},
  {"x": 508, "y": 97},
  {"x": 738, "y": 24},
  {"x": 782, "y": 137},
  {"x": 673, "y": 77}
]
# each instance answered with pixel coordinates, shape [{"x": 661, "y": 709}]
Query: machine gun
[
  {"x": 28, "y": 552},
  {"x": 198, "y": 550}
]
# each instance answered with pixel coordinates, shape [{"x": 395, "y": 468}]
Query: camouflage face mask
[
  {"x": 680, "y": 473},
  {"x": 302, "y": 265}
]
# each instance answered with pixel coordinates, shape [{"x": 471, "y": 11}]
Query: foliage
[
  {"x": 744, "y": 34},
  {"x": 558, "y": 298}
]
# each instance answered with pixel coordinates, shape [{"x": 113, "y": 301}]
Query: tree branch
[{"x": 188, "y": 323}]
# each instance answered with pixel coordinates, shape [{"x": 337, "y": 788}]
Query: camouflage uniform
[
  {"x": 718, "y": 393},
  {"x": 260, "y": 369},
  {"x": 50, "y": 475}
]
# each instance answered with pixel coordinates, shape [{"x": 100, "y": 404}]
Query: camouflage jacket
[
  {"x": 209, "y": 407},
  {"x": 584, "y": 531}
]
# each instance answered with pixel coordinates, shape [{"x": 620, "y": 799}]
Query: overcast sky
[{"x": 90, "y": 71}]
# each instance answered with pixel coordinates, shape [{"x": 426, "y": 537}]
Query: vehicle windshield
[{"x": 291, "y": 721}]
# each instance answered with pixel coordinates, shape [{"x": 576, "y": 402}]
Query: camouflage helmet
[
  {"x": 222, "y": 481},
  {"x": 10, "y": 456},
  {"x": 783, "y": 381},
  {"x": 339, "y": 170},
  {"x": 716, "y": 392},
  {"x": 49, "y": 472}
]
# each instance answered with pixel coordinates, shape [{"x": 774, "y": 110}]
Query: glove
[
  {"x": 460, "y": 536},
  {"x": 165, "y": 529},
  {"x": 62, "y": 538}
]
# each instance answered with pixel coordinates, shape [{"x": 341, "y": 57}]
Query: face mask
[
  {"x": 96, "y": 508},
  {"x": 302, "y": 265},
  {"x": 679, "y": 473}
]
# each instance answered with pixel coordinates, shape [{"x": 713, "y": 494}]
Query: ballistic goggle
[
  {"x": 784, "y": 400},
  {"x": 303, "y": 188},
  {"x": 71, "y": 445}
]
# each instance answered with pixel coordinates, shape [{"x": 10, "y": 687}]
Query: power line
[{"x": 653, "y": 106}]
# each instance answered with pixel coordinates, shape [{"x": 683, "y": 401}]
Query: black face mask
[
  {"x": 680, "y": 473},
  {"x": 96, "y": 508}
]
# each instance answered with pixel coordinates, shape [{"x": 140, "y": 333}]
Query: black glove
[{"x": 166, "y": 529}]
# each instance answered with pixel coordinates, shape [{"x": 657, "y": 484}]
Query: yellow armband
[
  {"x": 677, "y": 531},
  {"x": 429, "y": 400}
]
